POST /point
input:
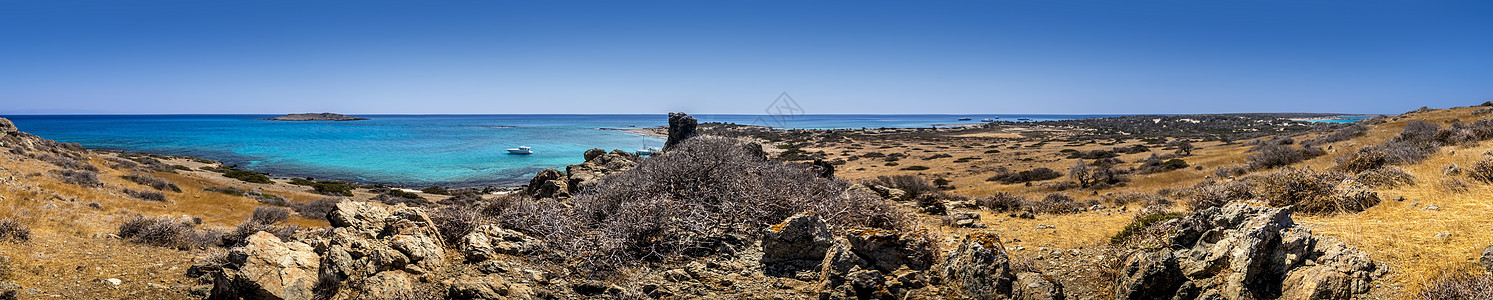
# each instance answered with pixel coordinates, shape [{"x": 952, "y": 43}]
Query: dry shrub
[
  {"x": 122, "y": 164},
  {"x": 912, "y": 184},
  {"x": 1458, "y": 285},
  {"x": 1038, "y": 174},
  {"x": 152, "y": 182},
  {"x": 1144, "y": 199},
  {"x": 1482, "y": 170},
  {"x": 1346, "y": 133},
  {"x": 167, "y": 232},
  {"x": 1002, "y": 202},
  {"x": 270, "y": 215},
  {"x": 1454, "y": 185},
  {"x": 12, "y": 230},
  {"x": 1143, "y": 232},
  {"x": 316, "y": 209},
  {"x": 68, "y": 163},
  {"x": 1209, "y": 194},
  {"x": 1057, "y": 203},
  {"x": 1386, "y": 177},
  {"x": 146, "y": 195},
  {"x": 80, "y": 178},
  {"x": 701, "y": 193},
  {"x": 456, "y": 221},
  {"x": 1312, "y": 192},
  {"x": 1416, "y": 141},
  {"x": 1230, "y": 171},
  {"x": 1280, "y": 155}
]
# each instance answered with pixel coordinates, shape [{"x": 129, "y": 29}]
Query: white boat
[
  {"x": 647, "y": 151},
  {"x": 987, "y": 120},
  {"x": 965, "y": 119},
  {"x": 521, "y": 150}
]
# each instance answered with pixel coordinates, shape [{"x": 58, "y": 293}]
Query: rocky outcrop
[
  {"x": 7, "y": 128},
  {"x": 681, "y": 127},
  {"x": 979, "y": 268},
  {"x": 888, "y": 250},
  {"x": 1246, "y": 251},
  {"x": 490, "y": 241},
  {"x": 268, "y": 268},
  {"x": 316, "y": 117},
  {"x": 551, "y": 183}
]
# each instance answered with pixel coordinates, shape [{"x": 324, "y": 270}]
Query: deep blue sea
[{"x": 412, "y": 150}]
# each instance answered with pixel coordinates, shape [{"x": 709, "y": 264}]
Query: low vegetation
[
  {"x": 1038, "y": 174},
  {"x": 168, "y": 232},
  {"x": 13, "y": 231},
  {"x": 153, "y": 182},
  {"x": 247, "y": 176}
]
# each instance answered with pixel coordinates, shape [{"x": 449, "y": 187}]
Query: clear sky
[{"x": 1071, "y": 56}]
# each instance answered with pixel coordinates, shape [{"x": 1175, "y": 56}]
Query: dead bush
[
  {"x": 270, "y": 215},
  {"x": 146, "y": 195},
  {"x": 1038, "y": 174},
  {"x": 316, "y": 209},
  {"x": 1342, "y": 134},
  {"x": 1002, "y": 202},
  {"x": 1058, "y": 203},
  {"x": 68, "y": 163},
  {"x": 1386, "y": 177},
  {"x": 1482, "y": 170},
  {"x": 1280, "y": 155},
  {"x": 167, "y": 232},
  {"x": 1454, "y": 185},
  {"x": 1458, "y": 285},
  {"x": 80, "y": 178},
  {"x": 1311, "y": 192},
  {"x": 1144, "y": 199},
  {"x": 456, "y": 221},
  {"x": 14, "y": 231},
  {"x": 152, "y": 182},
  {"x": 701, "y": 193},
  {"x": 1210, "y": 194},
  {"x": 912, "y": 184},
  {"x": 1230, "y": 171}
]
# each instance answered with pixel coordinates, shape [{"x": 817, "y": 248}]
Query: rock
[
  {"x": 1245, "y": 250},
  {"x": 681, "y": 127},
  {"x": 1431, "y": 207},
  {"x": 387, "y": 285},
  {"x": 359, "y": 216},
  {"x": 1442, "y": 235},
  {"x": 888, "y": 251},
  {"x": 113, "y": 281},
  {"x": 267, "y": 268},
  {"x": 485, "y": 287},
  {"x": 489, "y": 241},
  {"x": 802, "y": 237},
  {"x": 979, "y": 268},
  {"x": 1035, "y": 286},
  {"x": 585, "y": 174},
  {"x": 593, "y": 153},
  {"x": 822, "y": 168},
  {"x": 1487, "y": 260},
  {"x": 6, "y": 127},
  {"x": 549, "y": 183}
]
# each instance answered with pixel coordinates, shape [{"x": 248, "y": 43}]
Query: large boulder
[
  {"x": 801, "y": 238},
  {"x": 1246, "y": 251},
  {"x": 268, "y": 268},
  {"x": 490, "y": 241},
  {"x": 889, "y": 250},
  {"x": 979, "y": 268},
  {"x": 6, "y": 127},
  {"x": 681, "y": 127}
]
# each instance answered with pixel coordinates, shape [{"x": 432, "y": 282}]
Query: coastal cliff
[{"x": 316, "y": 117}]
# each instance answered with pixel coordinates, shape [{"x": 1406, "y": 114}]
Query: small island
[{"x": 316, "y": 117}]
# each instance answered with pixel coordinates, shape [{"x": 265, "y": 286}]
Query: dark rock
[
  {"x": 802, "y": 238},
  {"x": 6, "y": 127},
  {"x": 681, "y": 127},
  {"x": 891, "y": 250},
  {"x": 549, "y": 183},
  {"x": 822, "y": 168},
  {"x": 1035, "y": 286},
  {"x": 593, "y": 153}
]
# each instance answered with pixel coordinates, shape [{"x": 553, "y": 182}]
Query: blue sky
[{"x": 1154, "y": 56}]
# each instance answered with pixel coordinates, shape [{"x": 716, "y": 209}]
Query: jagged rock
[
  {"x": 888, "y": 193},
  {"x": 681, "y": 127},
  {"x": 585, "y": 174},
  {"x": 489, "y": 241},
  {"x": 979, "y": 268},
  {"x": 549, "y": 183},
  {"x": 387, "y": 285},
  {"x": 801, "y": 238},
  {"x": 1035, "y": 286},
  {"x": 966, "y": 219},
  {"x": 822, "y": 168},
  {"x": 1487, "y": 260},
  {"x": 267, "y": 268},
  {"x": 359, "y": 216},
  {"x": 891, "y": 250},
  {"x": 1246, "y": 251},
  {"x": 376, "y": 250}
]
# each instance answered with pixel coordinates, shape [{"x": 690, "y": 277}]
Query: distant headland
[{"x": 316, "y": 117}]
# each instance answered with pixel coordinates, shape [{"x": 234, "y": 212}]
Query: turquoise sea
[{"x": 411, "y": 150}]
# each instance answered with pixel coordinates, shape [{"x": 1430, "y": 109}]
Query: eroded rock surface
[
  {"x": 1246, "y": 251},
  {"x": 268, "y": 268}
]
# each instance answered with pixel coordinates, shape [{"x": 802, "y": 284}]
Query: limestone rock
[
  {"x": 359, "y": 216},
  {"x": 1487, "y": 260},
  {"x": 267, "y": 268},
  {"x": 484, "y": 287},
  {"x": 387, "y": 285},
  {"x": 549, "y": 183},
  {"x": 6, "y": 127},
  {"x": 1246, "y": 251},
  {"x": 489, "y": 241}
]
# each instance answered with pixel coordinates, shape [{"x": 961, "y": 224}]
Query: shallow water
[{"x": 410, "y": 150}]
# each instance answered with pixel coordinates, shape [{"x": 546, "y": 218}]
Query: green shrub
[
  {"x": 247, "y": 176},
  {"x": 915, "y": 168},
  {"x": 334, "y": 188}
]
